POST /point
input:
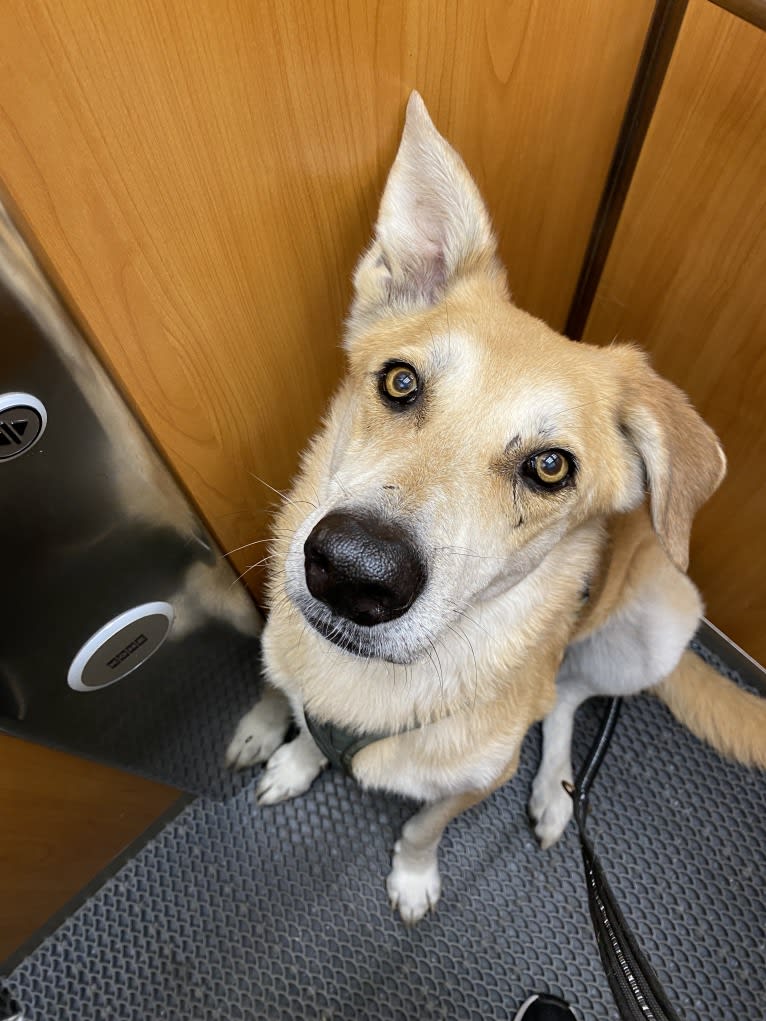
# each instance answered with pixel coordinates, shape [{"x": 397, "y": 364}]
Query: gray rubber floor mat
[
  {"x": 244, "y": 914},
  {"x": 176, "y": 729},
  {"x": 172, "y": 723}
]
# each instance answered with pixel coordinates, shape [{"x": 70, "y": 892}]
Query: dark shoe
[
  {"x": 542, "y": 1007},
  {"x": 9, "y": 1009}
]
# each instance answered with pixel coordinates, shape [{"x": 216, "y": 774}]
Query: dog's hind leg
[
  {"x": 260, "y": 731},
  {"x": 636, "y": 648},
  {"x": 550, "y": 807}
]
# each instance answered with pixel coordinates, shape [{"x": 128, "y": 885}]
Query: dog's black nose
[{"x": 365, "y": 570}]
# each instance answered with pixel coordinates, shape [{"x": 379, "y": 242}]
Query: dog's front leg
[
  {"x": 413, "y": 884},
  {"x": 452, "y": 765},
  {"x": 291, "y": 770},
  {"x": 260, "y": 731}
]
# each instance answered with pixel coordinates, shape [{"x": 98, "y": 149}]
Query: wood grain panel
[
  {"x": 202, "y": 177},
  {"x": 685, "y": 277},
  {"x": 63, "y": 820}
]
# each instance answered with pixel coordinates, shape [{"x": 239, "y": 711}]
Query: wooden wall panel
[
  {"x": 687, "y": 278},
  {"x": 63, "y": 820},
  {"x": 202, "y": 176}
]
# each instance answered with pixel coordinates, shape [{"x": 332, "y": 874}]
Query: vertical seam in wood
[{"x": 655, "y": 57}]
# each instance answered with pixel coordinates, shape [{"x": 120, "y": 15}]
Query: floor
[{"x": 234, "y": 912}]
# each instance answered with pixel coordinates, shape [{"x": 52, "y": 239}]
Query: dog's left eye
[
  {"x": 550, "y": 468},
  {"x": 399, "y": 383}
]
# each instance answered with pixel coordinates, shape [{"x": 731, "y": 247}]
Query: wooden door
[
  {"x": 686, "y": 276},
  {"x": 202, "y": 176}
]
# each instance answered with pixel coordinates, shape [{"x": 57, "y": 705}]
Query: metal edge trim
[{"x": 749, "y": 669}]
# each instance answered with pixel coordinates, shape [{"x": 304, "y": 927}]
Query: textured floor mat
[
  {"x": 173, "y": 720},
  {"x": 237, "y": 913}
]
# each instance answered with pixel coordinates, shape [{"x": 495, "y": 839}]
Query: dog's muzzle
[{"x": 363, "y": 569}]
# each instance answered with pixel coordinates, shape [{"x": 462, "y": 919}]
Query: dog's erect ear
[
  {"x": 682, "y": 457},
  {"x": 432, "y": 226}
]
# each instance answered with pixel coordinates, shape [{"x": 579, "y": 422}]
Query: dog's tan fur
[{"x": 459, "y": 679}]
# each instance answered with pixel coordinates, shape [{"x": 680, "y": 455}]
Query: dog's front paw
[
  {"x": 413, "y": 888},
  {"x": 550, "y": 809},
  {"x": 290, "y": 771},
  {"x": 259, "y": 733}
]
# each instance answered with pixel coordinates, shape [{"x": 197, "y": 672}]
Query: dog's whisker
[
  {"x": 587, "y": 404},
  {"x": 282, "y": 496},
  {"x": 460, "y": 633},
  {"x": 468, "y": 553},
  {"x": 239, "y": 513},
  {"x": 475, "y": 623},
  {"x": 316, "y": 494},
  {"x": 367, "y": 661},
  {"x": 252, "y": 567},
  {"x": 335, "y": 631},
  {"x": 430, "y": 657},
  {"x": 458, "y": 609},
  {"x": 439, "y": 670},
  {"x": 301, "y": 635},
  {"x": 336, "y": 481},
  {"x": 245, "y": 545},
  {"x": 279, "y": 603},
  {"x": 340, "y": 634}
]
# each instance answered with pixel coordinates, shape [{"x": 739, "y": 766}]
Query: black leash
[{"x": 635, "y": 987}]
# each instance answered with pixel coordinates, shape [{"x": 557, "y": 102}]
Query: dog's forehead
[
  {"x": 542, "y": 382},
  {"x": 497, "y": 365}
]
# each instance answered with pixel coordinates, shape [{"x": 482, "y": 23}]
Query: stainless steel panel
[{"x": 91, "y": 524}]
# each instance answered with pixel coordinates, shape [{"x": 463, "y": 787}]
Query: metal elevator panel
[
  {"x": 93, "y": 526},
  {"x": 22, "y": 421}
]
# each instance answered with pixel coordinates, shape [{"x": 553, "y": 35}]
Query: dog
[{"x": 491, "y": 527}]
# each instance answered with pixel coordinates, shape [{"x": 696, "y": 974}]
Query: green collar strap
[{"x": 338, "y": 745}]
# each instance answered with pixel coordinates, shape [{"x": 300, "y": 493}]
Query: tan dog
[{"x": 469, "y": 535}]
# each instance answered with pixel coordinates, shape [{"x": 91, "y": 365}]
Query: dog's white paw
[
  {"x": 290, "y": 771},
  {"x": 550, "y": 808},
  {"x": 258, "y": 735},
  {"x": 413, "y": 888}
]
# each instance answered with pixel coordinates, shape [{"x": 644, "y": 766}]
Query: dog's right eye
[
  {"x": 550, "y": 469},
  {"x": 399, "y": 383}
]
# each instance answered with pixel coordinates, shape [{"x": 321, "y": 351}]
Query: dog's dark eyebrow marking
[{"x": 544, "y": 430}]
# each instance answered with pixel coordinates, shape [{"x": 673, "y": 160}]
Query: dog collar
[{"x": 338, "y": 745}]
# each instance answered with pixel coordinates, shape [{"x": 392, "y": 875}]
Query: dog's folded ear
[
  {"x": 683, "y": 460},
  {"x": 432, "y": 228}
]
